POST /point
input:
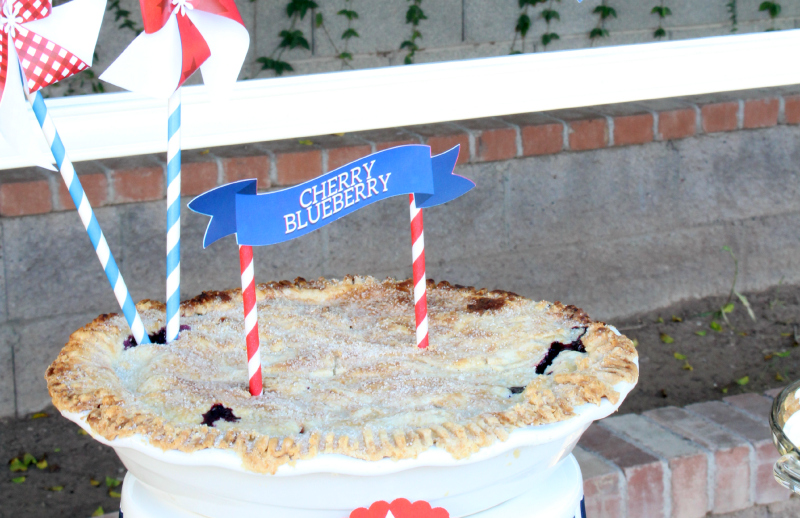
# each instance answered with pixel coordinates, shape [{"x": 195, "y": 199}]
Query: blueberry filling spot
[
  {"x": 218, "y": 412},
  {"x": 557, "y": 347},
  {"x": 516, "y": 390},
  {"x": 159, "y": 337}
]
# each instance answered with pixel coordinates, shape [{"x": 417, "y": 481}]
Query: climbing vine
[
  {"x": 524, "y": 24},
  {"x": 733, "y": 14},
  {"x": 291, "y": 38},
  {"x": 548, "y": 15},
  {"x": 414, "y": 15},
  {"x": 773, "y": 9},
  {"x": 604, "y": 12},
  {"x": 662, "y": 11},
  {"x": 349, "y": 14}
]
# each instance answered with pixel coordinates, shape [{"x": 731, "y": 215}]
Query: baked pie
[{"x": 341, "y": 371}]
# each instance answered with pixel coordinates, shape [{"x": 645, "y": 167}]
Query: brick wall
[
  {"x": 33, "y": 191},
  {"x": 672, "y": 462}
]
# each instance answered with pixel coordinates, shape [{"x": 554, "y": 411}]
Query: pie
[{"x": 341, "y": 371}]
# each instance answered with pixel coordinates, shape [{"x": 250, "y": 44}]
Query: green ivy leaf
[
  {"x": 714, "y": 325},
  {"x": 112, "y": 482},
  {"x": 350, "y": 33},
  {"x": 293, "y": 39},
  {"x": 598, "y": 32},
  {"x": 114, "y": 494},
  {"x": 728, "y": 308},
  {"x": 350, "y": 15},
  {"x": 42, "y": 464},
  {"x": 701, "y": 332},
  {"x": 679, "y": 356},
  {"x": 666, "y": 338},
  {"x": 415, "y": 14},
  {"x": 743, "y": 381},
  {"x": 773, "y": 8},
  {"x": 549, "y": 15},
  {"x": 549, "y": 37},
  {"x": 300, "y": 7},
  {"x": 29, "y": 459},
  {"x": 18, "y": 480},
  {"x": 784, "y": 354},
  {"x": 55, "y": 488},
  {"x": 98, "y": 512},
  {"x": 523, "y": 24},
  {"x": 318, "y": 20},
  {"x": 659, "y": 33},
  {"x": 346, "y": 56}
]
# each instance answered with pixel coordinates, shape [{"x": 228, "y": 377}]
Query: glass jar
[{"x": 787, "y": 468}]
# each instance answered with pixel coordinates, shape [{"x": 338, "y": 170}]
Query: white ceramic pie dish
[{"x": 213, "y": 483}]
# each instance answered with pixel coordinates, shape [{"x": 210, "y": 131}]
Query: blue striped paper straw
[
  {"x": 88, "y": 218},
  {"x": 174, "y": 217}
]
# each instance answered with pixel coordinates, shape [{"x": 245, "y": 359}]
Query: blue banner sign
[{"x": 274, "y": 217}]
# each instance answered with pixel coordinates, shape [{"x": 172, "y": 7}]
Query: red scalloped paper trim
[{"x": 400, "y": 508}]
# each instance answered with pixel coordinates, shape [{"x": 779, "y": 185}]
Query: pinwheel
[
  {"x": 180, "y": 37},
  {"x": 40, "y": 45}
]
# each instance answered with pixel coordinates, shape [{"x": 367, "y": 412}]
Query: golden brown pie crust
[{"x": 369, "y": 392}]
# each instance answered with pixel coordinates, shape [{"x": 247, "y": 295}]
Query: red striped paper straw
[
  {"x": 418, "y": 258},
  {"x": 250, "y": 319}
]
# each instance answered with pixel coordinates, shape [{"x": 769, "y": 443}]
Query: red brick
[
  {"x": 138, "y": 184},
  {"x": 588, "y": 134},
  {"x": 23, "y": 197},
  {"x": 757, "y": 432},
  {"x": 791, "y": 109},
  {"x": 687, "y": 462},
  {"x": 756, "y": 405},
  {"x": 198, "y": 177},
  {"x": 761, "y": 113},
  {"x": 677, "y": 124},
  {"x": 298, "y": 167},
  {"x": 720, "y": 116},
  {"x": 731, "y": 455},
  {"x": 542, "y": 139},
  {"x": 643, "y": 473},
  {"x": 496, "y": 144},
  {"x": 773, "y": 393},
  {"x": 95, "y": 185},
  {"x": 236, "y": 168},
  {"x": 340, "y": 156},
  {"x": 602, "y": 486},
  {"x": 440, "y": 144},
  {"x": 633, "y": 129},
  {"x": 688, "y": 475},
  {"x": 380, "y": 146}
]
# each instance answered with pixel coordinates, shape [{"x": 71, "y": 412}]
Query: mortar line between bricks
[
  {"x": 740, "y": 115},
  {"x": 517, "y": 135},
  {"x": 371, "y": 144},
  {"x": 750, "y": 449},
  {"x": 473, "y": 152},
  {"x": 781, "y": 109}
]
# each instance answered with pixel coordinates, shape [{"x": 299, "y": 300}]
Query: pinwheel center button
[
  {"x": 182, "y": 6},
  {"x": 10, "y": 18}
]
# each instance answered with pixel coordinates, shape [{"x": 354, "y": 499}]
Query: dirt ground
[{"x": 678, "y": 367}]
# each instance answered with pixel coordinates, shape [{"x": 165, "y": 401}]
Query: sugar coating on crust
[{"x": 341, "y": 371}]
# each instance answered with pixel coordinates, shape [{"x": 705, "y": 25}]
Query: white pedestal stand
[{"x": 560, "y": 497}]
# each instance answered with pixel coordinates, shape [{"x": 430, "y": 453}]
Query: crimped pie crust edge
[{"x": 547, "y": 399}]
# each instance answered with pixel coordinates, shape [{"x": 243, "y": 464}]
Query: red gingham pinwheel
[
  {"x": 40, "y": 45},
  {"x": 179, "y": 37}
]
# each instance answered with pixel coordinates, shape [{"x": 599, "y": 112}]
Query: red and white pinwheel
[
  {"x": 179, "y": 37},
  {"x": 40, "y": 45}
]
